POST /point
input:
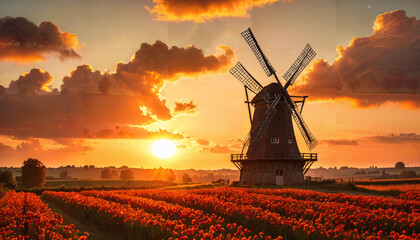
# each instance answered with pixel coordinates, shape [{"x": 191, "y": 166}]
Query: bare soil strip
[{"x": 94, "y": 232}]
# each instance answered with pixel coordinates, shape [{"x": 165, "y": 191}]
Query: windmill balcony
[{"x": 274, "y": 156}]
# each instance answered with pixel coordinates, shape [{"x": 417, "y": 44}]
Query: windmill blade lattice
[
  {"x": 253, "y": 44},
  {"x": 246, "y": 143},
  {"x": 248, "y": 80},
  {"x": 303, "y": 128},
  {"x": 299, "y": 65},
  {"x": 262, "y": 125}
]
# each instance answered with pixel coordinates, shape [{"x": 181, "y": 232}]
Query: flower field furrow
[
  {"x": 196, "y": 219},
  {"x": 25, "y": 216},
  {"x": 329, "y": 214}
]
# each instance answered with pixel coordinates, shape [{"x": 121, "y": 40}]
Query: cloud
[
  {"x": 218, "y": 148},
  {"x": 133, "y": 95},
  {"x": 373, "y": 70},
  {"x": 188, "y": 107},
  {"x": 342, "y": 142},
  {"x": 146, "y": 74},
  {"x": 23, "y": 41},
  {"x": 401, "y": 138},
  {"x": 235, "y": 143},
  {"x": 31, "y": 83},
  {"x": 201, "y": 141},
  {"x": 204, "y": 10},
  {"x": 34, "y": 147}
]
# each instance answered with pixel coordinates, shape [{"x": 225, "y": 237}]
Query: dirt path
[{"x": 94, "y": 232}]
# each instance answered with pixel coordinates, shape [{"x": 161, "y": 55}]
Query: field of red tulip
[
  {"x": 392, "y": 187},
  {"x": 229, "y": 213},
  {"x": 25, "y": 216}
]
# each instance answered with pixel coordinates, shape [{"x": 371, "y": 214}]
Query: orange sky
[{"x": 163, "y": 68}]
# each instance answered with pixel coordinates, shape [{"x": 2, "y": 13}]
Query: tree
[
  {"x": 2, "y": 90},
  {"x": 104, "y": 85},
  {"x": 171, "y": 176},
  {"x": 106, "y": 174},
  {"x": 408, "y": 174},
  {"x": 64, "y": 174},
  {"x": 400, "y": 165},
  {"x": 33, "y": 173},
  {"x": 186, "y": 178},
  {"x": 114, "y": 173},
  {"x": 127, "y": 174},
  {"x": 8, "y": 180}
]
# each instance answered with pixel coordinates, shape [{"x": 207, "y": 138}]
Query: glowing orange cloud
[
  {"x": 83, "y": 110},
  {"x": 32, "y": 82},
  {"x": 203, "y": 10},
  {"x": 373, "y": 70},
  {"x": 188, "y": 107},
  {"x": 23, "y": 41}
]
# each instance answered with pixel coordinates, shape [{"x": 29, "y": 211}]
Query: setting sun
[{"x": 163, "y": 148}]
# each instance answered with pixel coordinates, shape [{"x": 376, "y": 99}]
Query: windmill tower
[{"x": 270, "y": 154}]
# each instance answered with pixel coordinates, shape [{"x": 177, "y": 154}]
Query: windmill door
[{"x": 279, "y": 177}]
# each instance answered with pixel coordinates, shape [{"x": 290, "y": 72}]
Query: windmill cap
[{"x": 272, "y": 89}]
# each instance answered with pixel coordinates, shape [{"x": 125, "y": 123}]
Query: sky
[{"x": 98, "y": 82}]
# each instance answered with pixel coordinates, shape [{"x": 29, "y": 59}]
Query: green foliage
[
  {"x": 186, "y": 178},
  {"x": 33, "y": 173},
  {"x": 127, "y": 174},
  {"x": 7, "y": 180}
]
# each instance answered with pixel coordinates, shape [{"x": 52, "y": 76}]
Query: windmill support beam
[{"x": 248, "y": 102}]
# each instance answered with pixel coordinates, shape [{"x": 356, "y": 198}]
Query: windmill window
[
  {"x": 289, "y": 141},
  {"x": 275, "y": 140}
]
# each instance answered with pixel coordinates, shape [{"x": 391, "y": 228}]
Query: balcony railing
[{"x": 275, "y": 156}]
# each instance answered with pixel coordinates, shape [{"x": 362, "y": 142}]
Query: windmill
[{"x": 270, "y": 154}]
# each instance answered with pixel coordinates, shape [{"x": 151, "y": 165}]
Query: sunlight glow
[{"x": 163, "y": 148}]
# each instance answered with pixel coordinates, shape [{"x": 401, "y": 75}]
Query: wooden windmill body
[{"x": 270, "y": 154}]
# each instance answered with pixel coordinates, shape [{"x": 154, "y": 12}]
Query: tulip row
[
  {"x": 249, "y": 216},
  {"x": 135, "y": 223},
  {"x": 327, "y": 215},
  {"x": 355, "y": 200},
  {"x": 197, "y": 220},
  {"x": 25, "y": 216},
  {"x": 336, "y": 220}
]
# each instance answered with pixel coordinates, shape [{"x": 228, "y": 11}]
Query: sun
[{"x": 164, "y": 148}]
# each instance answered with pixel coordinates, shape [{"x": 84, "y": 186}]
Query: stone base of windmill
[{"x": 272, "y": 172}]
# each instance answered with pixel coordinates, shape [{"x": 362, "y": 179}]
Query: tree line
[{"x": 34, "y": 175}]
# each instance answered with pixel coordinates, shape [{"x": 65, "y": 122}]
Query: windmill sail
[
  {"x": 253, "y": 44},
  {"x": 248, "y": 80},
  {"x": 299, "y": 65},
  {"x": 303, "y": 128},
  {"x": 262, "y": 125}
]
